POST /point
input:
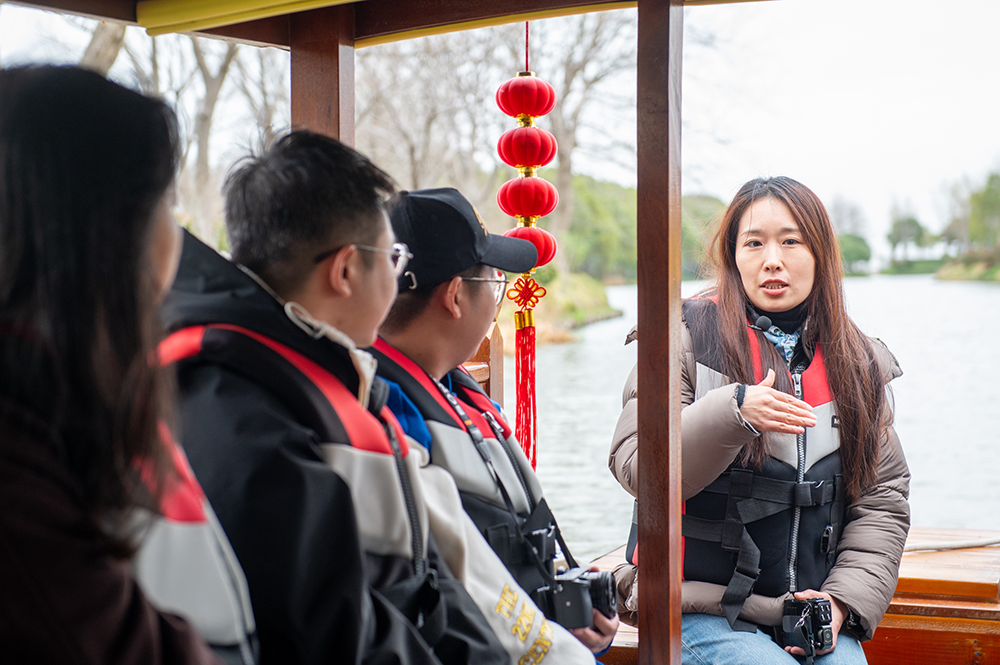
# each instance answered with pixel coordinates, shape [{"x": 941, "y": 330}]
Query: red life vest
[{"x": 364, "y": 430}]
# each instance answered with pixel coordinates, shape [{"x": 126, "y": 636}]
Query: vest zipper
[
  {"x": 498, "y": 431},
  {"x": 793, "y": 550},
  {"x": 417, "y": 542}
]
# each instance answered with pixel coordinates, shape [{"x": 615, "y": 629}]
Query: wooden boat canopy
[{"x": 266, "y": 22}]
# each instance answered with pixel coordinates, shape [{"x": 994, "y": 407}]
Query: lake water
[{"x": 946, "y": 336}]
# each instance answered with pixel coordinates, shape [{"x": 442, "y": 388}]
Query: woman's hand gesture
[{"x": 770, "y": 410}]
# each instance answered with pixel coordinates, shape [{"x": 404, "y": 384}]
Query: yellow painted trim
[
  {"x": 165, "y": 16},
  {"x": 489, "y": 22}
]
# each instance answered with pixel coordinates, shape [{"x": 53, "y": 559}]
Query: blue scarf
[{"x": 784, "y": 342}]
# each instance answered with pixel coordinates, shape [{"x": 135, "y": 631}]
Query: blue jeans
[{"x": 707, "y": 639}]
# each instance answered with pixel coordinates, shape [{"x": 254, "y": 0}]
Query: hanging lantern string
[{"x": 526, "y": 68}]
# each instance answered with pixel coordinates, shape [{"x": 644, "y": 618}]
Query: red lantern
[
  {"x": 527, "y": 197},
  {"x": 543, "y": 241},
  {"x": 526, "y": 95},
  {"x": 526, "y": 147}
]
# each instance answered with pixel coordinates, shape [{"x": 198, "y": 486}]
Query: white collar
[{"x": 363, "y": 361}]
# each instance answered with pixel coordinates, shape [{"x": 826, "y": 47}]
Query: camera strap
[
  {"x": 806, "y": 636},
  {"x": 480, "y": 443}
]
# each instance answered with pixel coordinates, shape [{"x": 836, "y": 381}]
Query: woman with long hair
[
  {"x": 87, "y": 249},
  {"x": 794, "y": 481}
]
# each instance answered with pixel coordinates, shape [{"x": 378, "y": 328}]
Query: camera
[
  {"x": 806, "y": 624},
  {"x": 574, "y": 594}
]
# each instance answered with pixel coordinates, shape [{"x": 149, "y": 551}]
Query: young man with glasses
[
  {"x": 285, "y": 424},
  {"x": 449, "y": 295}
]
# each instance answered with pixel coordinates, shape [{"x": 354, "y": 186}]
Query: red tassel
[{"x": 526, "y": 424}]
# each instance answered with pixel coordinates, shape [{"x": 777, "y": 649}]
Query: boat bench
[{"x": 946, "y": 608}]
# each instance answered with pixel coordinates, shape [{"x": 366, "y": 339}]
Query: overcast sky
[{"x": 880, "y": 102}]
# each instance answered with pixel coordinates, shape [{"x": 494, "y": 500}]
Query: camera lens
[{"x": 602, "y": 592}]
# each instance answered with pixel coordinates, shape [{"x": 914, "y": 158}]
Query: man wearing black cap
[{"x": 448, "y": 297}]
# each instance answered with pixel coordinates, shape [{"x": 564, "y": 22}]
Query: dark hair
[
  {"x": 409, "y": 304},
  {"x": 306, "y": 193},
  {"x": 855, "y": 379},
  {"x": 83, "y": 165}
]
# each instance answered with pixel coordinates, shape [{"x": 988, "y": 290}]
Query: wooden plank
[
  {"x": 381, "y": 21},
  {"x": 322, "y": 50},
  {"x": 479, "y": 371},
  {"x": 948, "y": 580},
  {"x": 378, "y": 18},
  {"x": 920, "y": 534},
  {"x": 970, "y": 573},
  {"x": 264, "y": 32},
  {"x": 617, "y": 655},
  {"x": 490, "y": 356},
  {"x": 659, "y": 276},
  {"x": 906, "y": 640},
  {"x": 941, "y": 606}
]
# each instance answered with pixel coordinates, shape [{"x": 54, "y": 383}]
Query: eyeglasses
[
  {"x": 399, "y": 255},
  {"x": 499, "y": 279}
]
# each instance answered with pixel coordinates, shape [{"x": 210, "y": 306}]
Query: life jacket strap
[
  {"x": 419, "y": 598},
  {"x": 831, "y": 535},
  {"x": 787, "y": 492},
  {"x": 747, "y": 566}
]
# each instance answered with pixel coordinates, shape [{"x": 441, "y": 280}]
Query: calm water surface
[{"x": 946, "y": 336}]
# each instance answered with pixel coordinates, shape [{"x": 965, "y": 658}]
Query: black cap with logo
[{"x": 446, "y": 236}]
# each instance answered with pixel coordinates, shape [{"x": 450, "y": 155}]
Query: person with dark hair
[
  {"x": 449, "y": 296},
  {"x": 87, "y": 248},
  {"x": 794, "y": 481},
  {"x": 285, "y": 423}
]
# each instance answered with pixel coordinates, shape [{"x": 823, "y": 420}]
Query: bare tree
[
  {"x": 426, "y": 109},
  {"x": 105, "y": 43},
  {"x": 212, "y": 77},
  {"x": 262, "y": 79},
  {"x": 847, "y": 217},
  {"x": 190, "y": 73},
  {"x": 425, "y": 113},
  {"x": 956, "y": 232}
]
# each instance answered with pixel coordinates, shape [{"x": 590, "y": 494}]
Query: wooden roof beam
[
  {"x": 274, "y": 31},
  {"x": 382, "y": 21},
  {"x": 103, "y": 10}
]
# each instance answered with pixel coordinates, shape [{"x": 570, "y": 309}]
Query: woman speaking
[{"x": 794, "y": 481}]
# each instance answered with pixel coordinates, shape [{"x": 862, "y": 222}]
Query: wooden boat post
[
  {"x": 659, "y": 272},
  {"x": 321, "y": 43}
]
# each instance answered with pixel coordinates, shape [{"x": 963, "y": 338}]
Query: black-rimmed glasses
[
  {"x": 499, "y": 281},
  {"x": 399, "y": 254}
]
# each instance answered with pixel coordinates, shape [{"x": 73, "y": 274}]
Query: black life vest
[
  {"x": 453, "y": 448},
  {"x": 320, "y": 401},
  {"x": 738, "y": 531}
]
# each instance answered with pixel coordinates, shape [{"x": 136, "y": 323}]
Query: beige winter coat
[{"x": 712, "y": 434}]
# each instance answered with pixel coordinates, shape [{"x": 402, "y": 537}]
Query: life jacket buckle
[
  {"x": 826, "y": 541},
  {"x": 804, "y": 494}
]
